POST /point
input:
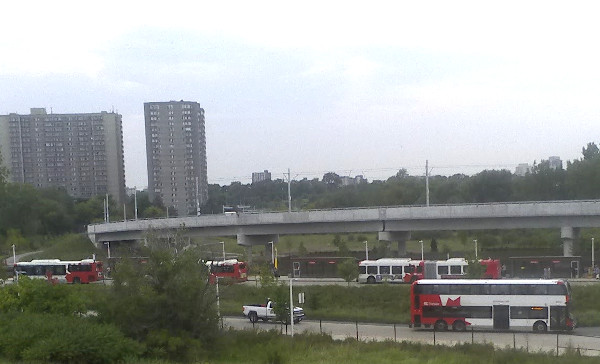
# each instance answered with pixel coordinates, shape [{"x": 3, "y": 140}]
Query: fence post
[
  {"x": 472, "y": 336},
  {"x": 434, "y": 336},
  {"x": 356, "y": 330},
  {"x": 556, "y": 344},
  {"x": 321, "y": 326},
  {"x": 514, "y": 342},
  {"x": 394, "y": 332}
]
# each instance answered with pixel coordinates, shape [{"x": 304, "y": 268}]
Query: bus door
[
  {"x": 501, "y": 317},
  {"x": 558, "y": 317},
  {"x": 296, "y": 269}
]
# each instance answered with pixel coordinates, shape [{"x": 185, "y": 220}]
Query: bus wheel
[
  {"x": 371, "y": 280},
  {"x": 459, "y": 325},
  {"x": 540, "y": 326},
  {"x": 440, "y": 325},
  {"x": 76, "y": 280},
  {"x": 253, "y": 317}
]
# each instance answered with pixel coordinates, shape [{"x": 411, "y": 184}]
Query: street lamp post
[
  {"x": 422, "y": 252},
  {"x": 223, "y": 243},
  {"x": 15, "y": 262},
  {"x": 291, "y": 307},
  {"x": 272, "y": 253},
  {"x": 593, "y": 261},
  {"x": 475, "y": 241},
  {"x": 366, "y": 250},
  {"x": 219, "y": 303}
]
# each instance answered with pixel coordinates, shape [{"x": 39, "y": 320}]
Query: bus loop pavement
[{"x": 585, "y": 341}]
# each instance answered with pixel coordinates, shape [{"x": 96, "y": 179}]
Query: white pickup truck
[{"x": 265, "y": 312}]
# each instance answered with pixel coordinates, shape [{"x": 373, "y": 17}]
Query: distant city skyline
[{"x": 365, "y": 89}]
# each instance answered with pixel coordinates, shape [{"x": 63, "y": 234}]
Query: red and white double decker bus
[
  {"x": 61, "y": 271},
  {"x": 537, "y": 305},
  {"x": 232, "y": 269}
]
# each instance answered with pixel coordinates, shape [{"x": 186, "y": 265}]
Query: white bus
[
  {"x": 537, "y": 305},
  {"x": 383, "y": 270},
  {"x": 42, "y": 268}
]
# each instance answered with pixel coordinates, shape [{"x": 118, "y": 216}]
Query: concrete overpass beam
[
  {"x": 249, "y": 240},
  {"x": 399, "y": 236},
  {"x": 568, "y": 235}
]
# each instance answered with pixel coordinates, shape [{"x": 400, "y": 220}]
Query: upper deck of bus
[{"x": 489, "y": 281}]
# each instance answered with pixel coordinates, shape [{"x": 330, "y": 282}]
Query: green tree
[
  {"x": 167, "y": 297},
  {"x": 348, "y": 269},
  {"x": 590, "y": 151},
  {"x": 475, "y": 269},
  {"x": 434, "y": 245}
]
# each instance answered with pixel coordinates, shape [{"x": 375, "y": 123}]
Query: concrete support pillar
[
  {"x": 568, "y": 235},
  {"x": 249, "y": 254},
  {"x": 399, "y": 236}
]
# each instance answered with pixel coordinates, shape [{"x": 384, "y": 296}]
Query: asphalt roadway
[{"x": 583, "y": 340}]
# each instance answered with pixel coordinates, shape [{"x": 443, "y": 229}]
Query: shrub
[{"x": 62, "y": 339}]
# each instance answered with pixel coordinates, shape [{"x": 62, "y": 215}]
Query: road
[
  {"x": 253, "y": 281},
  {"x": 586, "y": 340}
]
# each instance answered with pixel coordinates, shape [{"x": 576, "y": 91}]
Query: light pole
[
  {"x": 219, "y": 303},
  {"x": 291, "y": 307},
  {"x": 15, "y": 262},
  {"x": 366, "y": 250},
  {"x": 475, "y": 241},
  {"x": 422, "y": 252},
  {"x": 272, "y": 254},
  {"x": 593, "y": 261},
  {"x": 223, "y": 243}
]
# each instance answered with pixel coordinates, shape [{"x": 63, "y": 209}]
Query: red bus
[
  {"x": 84, "y": 271},
  {"x": 537, "y": 305},
  {"x": 231, "y": 269}
]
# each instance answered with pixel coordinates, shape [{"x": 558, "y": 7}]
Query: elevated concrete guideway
[{"x": 392, "y": 223}]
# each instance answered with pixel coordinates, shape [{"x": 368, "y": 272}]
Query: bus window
[
  {"x": 557, "y": 290},
  {"x": 372, "y": 269},
  {"x": 362, "y": 269},
  {"x": 397, "y": 269},
  {"x": 455, "y": 269},
  {"x": 384, "y": 269},
  {"x": 500, "y": 289},
  {"x": 442, "y": 270}
]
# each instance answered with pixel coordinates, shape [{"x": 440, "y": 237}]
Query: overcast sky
[{"x": 316, "y": 86}]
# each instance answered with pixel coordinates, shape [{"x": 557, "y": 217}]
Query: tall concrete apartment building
[
  {"x": 176, "y": 153},
  {"x": 82, "y": 153}
]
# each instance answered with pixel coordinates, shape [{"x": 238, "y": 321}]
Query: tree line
[
  {"x": 579, "y": 179},
  {"x": 32, "y": 215}
]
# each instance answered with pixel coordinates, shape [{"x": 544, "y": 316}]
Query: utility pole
[
  {"x": 427, "y": 182},
  {"x": 289, "y": 191},
  {"x": 135, "y": 201}
]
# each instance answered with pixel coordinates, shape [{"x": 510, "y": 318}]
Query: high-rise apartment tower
[
  {"x": 82, "y": 153},
  {"x": 176, "y": 153}
]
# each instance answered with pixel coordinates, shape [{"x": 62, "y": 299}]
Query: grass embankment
[{"x": 250, "y": 347}]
